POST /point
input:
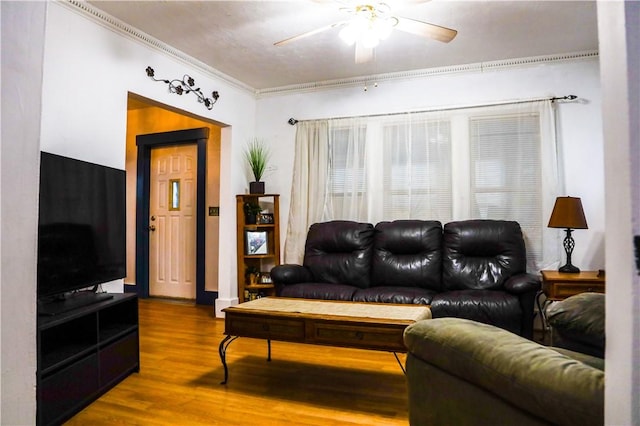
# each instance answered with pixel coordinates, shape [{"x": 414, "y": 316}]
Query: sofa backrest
[
  {"x": 407, "y": 253},
  {"x": 339, "y": 252},
  {"x": 481, "y": 254}
]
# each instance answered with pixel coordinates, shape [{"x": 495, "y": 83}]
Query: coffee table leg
[
  {"x": 400, "y": 363},
  {"x": 268, "y": 350},
  {"x": 222, "y": 350}
]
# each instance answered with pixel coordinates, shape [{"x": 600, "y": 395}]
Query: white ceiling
[{"x": 236, "y": 37}]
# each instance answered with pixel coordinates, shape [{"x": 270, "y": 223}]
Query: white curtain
[
  {"x": 492, "y": 162},
  {"x": 309, "y": 186}
]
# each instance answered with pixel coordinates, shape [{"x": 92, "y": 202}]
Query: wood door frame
[{"x": 145, "y": 144}]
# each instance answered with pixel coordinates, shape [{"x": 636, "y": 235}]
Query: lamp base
[
  {"x": 569, "y": 269},
  {"x": 568, "y": 244}
]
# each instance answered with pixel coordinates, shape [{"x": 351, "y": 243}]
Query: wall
[
  {"x": 579, "y": 125},
  {"x": 142, "y": 121},
  {"x": 89, "y": 71},
  {"x": 619, "y": 29},
  {"x": 22, "y": 27}
]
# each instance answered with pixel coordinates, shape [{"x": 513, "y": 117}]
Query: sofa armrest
[
  {"x": 290, "y": 274},
  {"x": 523, "y": 283},
  {"x": 536, "y": 379},
  {"x": 578, "y": 323}
]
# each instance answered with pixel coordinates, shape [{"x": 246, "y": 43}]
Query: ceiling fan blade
[
  {"x": 426, "y": 30},
  {"x": 309, "y": 33},
  {"x": 363, "y": 54}
]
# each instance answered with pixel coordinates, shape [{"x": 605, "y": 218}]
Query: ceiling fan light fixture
[
  {"x": 372, "y": 23},
  {"x": 369, "y": 39},
  {"x": 384, "y": 27},
  {"x": 368, "y": 28},
  {"x": 349, "y": 35}
]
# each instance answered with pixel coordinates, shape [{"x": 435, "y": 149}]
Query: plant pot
[
  {"x": 256, "y": 187},
  {"x": 250, "y": 219}
]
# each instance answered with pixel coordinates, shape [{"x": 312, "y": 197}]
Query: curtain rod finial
[
  {"x": 292, "y": 121},
  {"x": 565, "y": 98}
]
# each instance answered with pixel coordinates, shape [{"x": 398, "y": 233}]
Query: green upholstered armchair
[
  {"x": 461, "y": 372},
  {"x": 578, "y": 323}
]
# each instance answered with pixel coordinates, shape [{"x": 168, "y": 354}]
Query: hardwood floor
[{"x": 180, "y": 374}]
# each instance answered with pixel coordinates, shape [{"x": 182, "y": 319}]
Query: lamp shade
[{"x": 568, "y": 213}]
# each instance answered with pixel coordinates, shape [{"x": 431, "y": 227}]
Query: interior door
[{"x": 172, "y": 222}]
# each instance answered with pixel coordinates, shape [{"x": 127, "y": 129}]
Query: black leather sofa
[{"x": 474, "y": 269}]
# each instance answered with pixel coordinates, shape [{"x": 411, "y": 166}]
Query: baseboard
[{"x": 220, "y": 304}]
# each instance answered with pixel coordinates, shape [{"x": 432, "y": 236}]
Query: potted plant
[
  {"x": 251, "y": 211},
  {"x": 257, "y": 155}
]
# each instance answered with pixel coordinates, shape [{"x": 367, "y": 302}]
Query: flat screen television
[{"x": 81, "y": 231}]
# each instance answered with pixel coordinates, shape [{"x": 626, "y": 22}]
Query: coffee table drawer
[
  {"x": 381, "y": 338},
  {"x": 265, "y": 328}
]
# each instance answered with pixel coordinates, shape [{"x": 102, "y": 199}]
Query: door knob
[
  {"x": 152, "y": 228},
  {"x": 153, "y": 218}
]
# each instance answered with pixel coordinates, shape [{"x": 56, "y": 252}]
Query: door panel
[{"x": 172, "y": 241}]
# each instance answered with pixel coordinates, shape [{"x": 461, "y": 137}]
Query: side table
[{"x": 560, "y": 285}]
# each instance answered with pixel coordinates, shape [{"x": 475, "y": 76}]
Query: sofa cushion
[
  {"x": 318, "y": 291},
  {"x": 481, "y": 254},
  {"x": 290, "y": 274},
  {"x": 339, "y": 252},
  {"x": 413, "y": 295},
  {"x": 490, "y": 307},
  {"x": 407, "y": 253},
  {"x": 578, "y": 323}
]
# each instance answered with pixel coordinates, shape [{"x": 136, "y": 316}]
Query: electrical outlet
[{"x": 214, "y": 211}]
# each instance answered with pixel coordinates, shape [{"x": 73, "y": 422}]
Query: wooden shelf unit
[
  {"x": 262, "y": 262},
  {"x": 83, "y": 353}
]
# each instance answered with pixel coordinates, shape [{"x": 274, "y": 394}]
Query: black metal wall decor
[{"x": 186, "y": 86}]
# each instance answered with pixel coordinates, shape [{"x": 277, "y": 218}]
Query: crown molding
[
  {"x": 426, "y": 72},
  {"x": 116, "y": 25}
]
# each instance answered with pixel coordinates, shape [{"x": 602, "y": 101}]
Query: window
[
  {"x": 174, "y": 194},
  {"x": 496, "y": 162},
  {"x": 417, "y": 170},
  {"x": 347, "y": 175},
  {"x": 506, "y": 173}
]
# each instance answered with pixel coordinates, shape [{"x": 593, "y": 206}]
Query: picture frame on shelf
[
  {"x": 256, "y": 242},
  {"x": 265, "y": 218}
]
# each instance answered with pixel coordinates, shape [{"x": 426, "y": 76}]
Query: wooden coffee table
[{"x": 375, "y": 326}]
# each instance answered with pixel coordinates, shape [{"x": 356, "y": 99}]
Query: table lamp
[{"x": 567, "y": 213}]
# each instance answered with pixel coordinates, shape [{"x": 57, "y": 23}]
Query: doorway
[{"x": 145, "y": 226}]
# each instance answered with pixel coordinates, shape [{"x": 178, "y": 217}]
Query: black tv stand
[
  {"x": 71, "y": 302},
  {"x": 83, "y": 353}
]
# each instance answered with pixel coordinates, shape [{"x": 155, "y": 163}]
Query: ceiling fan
[{"x": 372, "y": 22}]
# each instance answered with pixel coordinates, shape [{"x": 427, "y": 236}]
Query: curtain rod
[{"x": 293, "y": 121}]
